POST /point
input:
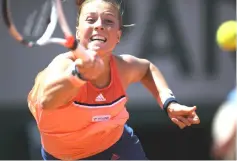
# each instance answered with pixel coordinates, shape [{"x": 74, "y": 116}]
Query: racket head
[
  {"x": 39, "y": 23},
  {"x": 70, "y": 40}
]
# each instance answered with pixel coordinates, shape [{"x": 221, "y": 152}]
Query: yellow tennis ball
[{"x": 226, "y": 35}]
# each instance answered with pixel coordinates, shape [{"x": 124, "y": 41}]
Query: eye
[
  {"x": 107, "y": 21},
  {"x": 90, "y": 20}
]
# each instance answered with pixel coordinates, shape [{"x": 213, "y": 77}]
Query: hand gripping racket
[{"x": 40, "y": 19}]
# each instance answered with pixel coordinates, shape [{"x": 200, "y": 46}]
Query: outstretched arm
[
  {"x": 154, "y": 81},
  {"x": 55, "y": 86},
  {"x": 59, "y": 83},
  {"x": 142, "y": 70},
  {"x": 149, "y": 75}
]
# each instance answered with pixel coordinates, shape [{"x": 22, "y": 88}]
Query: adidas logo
[{"x": 100, "y": 98}]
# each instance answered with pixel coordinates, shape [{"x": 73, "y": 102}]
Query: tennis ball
[{"x": 226, "y": 35}]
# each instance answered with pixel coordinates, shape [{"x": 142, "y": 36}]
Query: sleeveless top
[{"x": 88, "y": 125}]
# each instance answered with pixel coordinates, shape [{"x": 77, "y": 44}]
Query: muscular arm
[
  {"x": 54, "y": 88},
  {"x": 149, "y": 75},
  {"x": 142, "y": 70}
]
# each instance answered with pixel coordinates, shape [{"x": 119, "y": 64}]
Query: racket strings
[
  {"x": 43, "y": 19},
  {"x": 122, "y": 7},
  {"x": 33, "y": 24},
  {"x": 37, "y": 21}
]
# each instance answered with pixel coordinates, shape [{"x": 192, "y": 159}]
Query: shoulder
[
  {"x": 131, "y": 67},
  {"x": 127, "y": 59}
]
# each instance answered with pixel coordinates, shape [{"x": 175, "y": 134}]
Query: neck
[
  {"x": 104, "y": 79},
  {"x": 106, "y": 59}
]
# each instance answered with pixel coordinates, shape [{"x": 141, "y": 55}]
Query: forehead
[{"x": 99, "y": 6}]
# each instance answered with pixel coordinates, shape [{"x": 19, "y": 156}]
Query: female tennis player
[{"x": 79, "y": 106}]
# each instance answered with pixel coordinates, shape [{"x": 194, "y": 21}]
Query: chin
[{"x": 101, "y": 50}]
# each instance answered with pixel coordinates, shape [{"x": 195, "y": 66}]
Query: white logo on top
[
  {"x": 101, "y": 118},
  {"x": 100, "y": 98}
]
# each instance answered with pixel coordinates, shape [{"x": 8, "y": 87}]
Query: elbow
[
  {"x": 147, "y": 71},
  {"x": 46, "y": 99},
  {"x": 44, "y": 102},
  {"x": 152, "y": 67},
  {"x": 43, "y": 98}
]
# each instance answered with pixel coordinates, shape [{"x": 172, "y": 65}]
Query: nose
[{"x": 99, "y": 24}]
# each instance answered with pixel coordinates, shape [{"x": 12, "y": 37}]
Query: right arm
[{"x": 54, "y": 85}]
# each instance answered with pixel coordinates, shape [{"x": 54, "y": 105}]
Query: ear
[
  {"x": 77, "y": 34},
  {"x": 119, "y": 34}
]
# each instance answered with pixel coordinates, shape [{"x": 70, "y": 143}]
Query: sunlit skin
[
  {"x": 99, "y": 31},
  {"x": 56, "y": 88},
  {"x": 99, "y": 18}
]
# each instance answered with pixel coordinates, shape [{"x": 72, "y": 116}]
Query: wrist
[
  {"x": 169, "y": 109},
  {"x": 167, "y": 98},
  {"x": 75, "y": 72},
  {"x": 74, "y": 75}
]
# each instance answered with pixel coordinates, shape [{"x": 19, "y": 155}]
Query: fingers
[
  {"x": 89, "y": 63},
  {"x": 192, "y": 109},
  {"x": 179, "y": 123},
  {"x": 183, "y": 116},
  {"x": 79, "y": 62},
  {"x": 92, "y": 68},
  {"x": 194, "y": 119},
  {"x": 182, "y": 110},
  {"x": 184, "y": 120},
  {"x": 189, "y": 110},
  {"x": 82, "y": 53}
]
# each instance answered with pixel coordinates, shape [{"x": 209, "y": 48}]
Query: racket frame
[
  {"x": 44, "y": 39},
  {"x": 57, "y": 15}
]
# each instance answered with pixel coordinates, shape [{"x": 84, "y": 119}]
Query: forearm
[
  {"x": 154, "y": 81},
  {"x": 59, "y": 89}
]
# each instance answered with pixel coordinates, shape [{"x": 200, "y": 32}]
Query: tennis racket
[{"x": 40, "y": 19}]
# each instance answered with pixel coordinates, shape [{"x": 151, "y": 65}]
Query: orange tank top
[{"x": 90, "y": 124}]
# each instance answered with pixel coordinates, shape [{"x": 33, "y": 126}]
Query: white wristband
[
  {"x": 167, "y": 97},
  {"x": 165, "y": 94}
]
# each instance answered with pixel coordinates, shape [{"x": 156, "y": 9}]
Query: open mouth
[{"x": 98, "y": 38}]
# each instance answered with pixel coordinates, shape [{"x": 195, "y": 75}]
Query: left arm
[
  {"x": 142, "y": 70},
  {"x": 154, "y": 81}
]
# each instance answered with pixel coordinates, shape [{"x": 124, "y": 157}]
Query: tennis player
[{"x": 79, "y": 106}]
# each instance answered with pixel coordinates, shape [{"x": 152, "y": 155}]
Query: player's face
[{"x": 99, "y": 26}]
